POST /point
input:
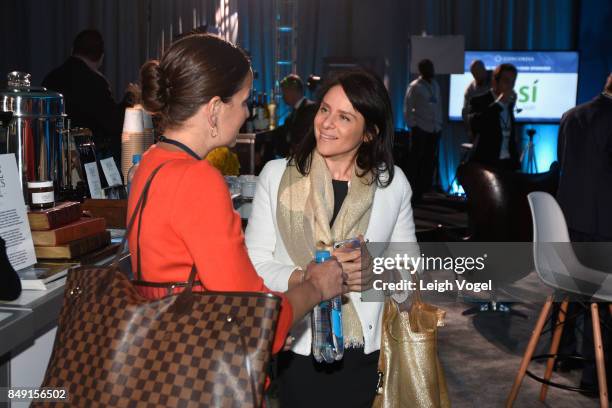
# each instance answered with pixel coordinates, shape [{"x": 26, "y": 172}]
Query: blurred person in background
[
  {"x": 491, "y": 119},
  {"x": 479, "y": 86},
  {"x": 584, "y": 150},
  {"x": 87, "y": 94},
  {"x": 423, "y": 113}
]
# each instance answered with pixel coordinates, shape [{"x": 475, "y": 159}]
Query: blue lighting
[{"x": 545, "y": 141}]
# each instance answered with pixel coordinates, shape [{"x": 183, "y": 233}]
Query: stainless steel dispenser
[{"x": 34, "y": 134}]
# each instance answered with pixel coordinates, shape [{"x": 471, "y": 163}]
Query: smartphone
[{"x": 348, "y": 243}]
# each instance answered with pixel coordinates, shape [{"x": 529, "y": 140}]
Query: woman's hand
[
  {"x": 323, "y": 281},
  {"x": 327, "y": 277},
  {"x": 356, "y": 264}
]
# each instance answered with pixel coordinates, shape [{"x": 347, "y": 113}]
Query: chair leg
[
  {"x": 533, "y": 342},
  {"x": 599, "y": 357},
  {"x": 554, "y": 347}
]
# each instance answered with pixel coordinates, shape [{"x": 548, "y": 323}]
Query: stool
[
  {"x": 554, "y": 347},
  {"x": 549, "y": 226}
]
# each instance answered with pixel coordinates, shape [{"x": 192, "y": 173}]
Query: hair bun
[{"x": 154, "y": 88}]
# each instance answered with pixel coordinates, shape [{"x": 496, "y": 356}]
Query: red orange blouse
[{"x": 189, "y": 218}]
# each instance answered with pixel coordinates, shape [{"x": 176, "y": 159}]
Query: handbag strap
[
  {"x": 185, "y": 298},
  {"x": 194, "y": 271},
  {"x": 130, "y": 225}
]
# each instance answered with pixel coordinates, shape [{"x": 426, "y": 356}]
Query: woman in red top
[{"x": 199, "y": 91}]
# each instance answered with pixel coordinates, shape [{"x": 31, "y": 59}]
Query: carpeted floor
[{"x": 481, "y": 355}]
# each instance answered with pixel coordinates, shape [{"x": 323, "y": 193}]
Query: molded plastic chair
[{"x": 558, "y": 267}]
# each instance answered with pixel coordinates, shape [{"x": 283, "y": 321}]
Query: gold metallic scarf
[{"x": 304, "y": 209}]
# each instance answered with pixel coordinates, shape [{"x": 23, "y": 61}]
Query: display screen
[{"x": 546, "y": 84}]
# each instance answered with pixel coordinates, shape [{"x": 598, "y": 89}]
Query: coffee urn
[{"x": 34, "y": 133}]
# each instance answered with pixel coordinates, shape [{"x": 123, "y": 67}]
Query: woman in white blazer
[{"x": 339, "y": 184}]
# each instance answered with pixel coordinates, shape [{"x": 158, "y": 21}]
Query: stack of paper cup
[{"x": 132, "y": 138}]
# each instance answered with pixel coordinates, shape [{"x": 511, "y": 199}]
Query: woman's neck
[
  {"x": 194, "y": 141},
  {"x": 340, "y": 169}
]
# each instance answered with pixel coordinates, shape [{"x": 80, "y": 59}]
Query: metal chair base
[
  {"x": 555, "y": 384},
  {"x": 491, "y": 307}
]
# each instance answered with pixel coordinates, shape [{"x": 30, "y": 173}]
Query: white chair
[{"x": 558, "y": 267}]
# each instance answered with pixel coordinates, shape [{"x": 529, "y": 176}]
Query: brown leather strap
[
  {"x": 192, "y": 276},
  {"x": 138, "y": 257},
  {"x": 139, "y": 210},
  {"x": 139, "y": 204}
]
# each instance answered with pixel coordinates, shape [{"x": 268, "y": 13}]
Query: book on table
[
  {"x": 57, "y": 216},
  {"x": 74, "y": 249},
  {"x": 37, "y": 277},
  {"x": 82, "y": 228}
]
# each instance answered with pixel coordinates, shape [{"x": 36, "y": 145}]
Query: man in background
[
  {"x": 281, "y": 141},
  {"x": 479, "y": 86},
  {"x": 423, "y": 113},
  {"x": 87, "y": 95},
  {"x": 299, "y": 122},
  {"x": 584, "y": 150},
  {"x": 491, "y": 119}
]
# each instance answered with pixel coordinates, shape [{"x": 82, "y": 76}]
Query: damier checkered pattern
[{"x": 114, "y": 348}]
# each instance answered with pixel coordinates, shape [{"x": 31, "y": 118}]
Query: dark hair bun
[
  {"x": 153, "y": 98},
  {"x": 191, "y": 72}
]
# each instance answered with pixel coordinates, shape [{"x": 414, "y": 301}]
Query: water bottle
[
  {"x": 327, "y": 339},
  {"x": 132, "y": 170}
]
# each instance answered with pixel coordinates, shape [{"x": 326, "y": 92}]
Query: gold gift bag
[{"x": 409, "y": 371}]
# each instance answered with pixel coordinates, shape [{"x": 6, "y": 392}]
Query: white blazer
[{"x": 390, "y": 221}]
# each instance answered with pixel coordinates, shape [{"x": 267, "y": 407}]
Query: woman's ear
[
  {"x": 213, "y": 108},
  {"x": 369, "y": 136}
]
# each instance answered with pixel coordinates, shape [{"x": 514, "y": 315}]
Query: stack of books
[
  {"x": 62, "y": 233},
  {"x": 39, "y": 276}
]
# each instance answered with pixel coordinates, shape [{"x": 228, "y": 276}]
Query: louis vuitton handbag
[
  {"x": 115, "y": 348},
  {"x": 409, "y": 370}
]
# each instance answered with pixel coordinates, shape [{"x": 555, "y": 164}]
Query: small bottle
[
  {"x": 41, "y": 195},
  {"x": 327, "y": 338},
  {"x": 272, "y": 111},
  {"x": 132, "y": 170}
]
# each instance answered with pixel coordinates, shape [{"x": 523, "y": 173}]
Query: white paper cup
[{"x": 133, "y": 121}]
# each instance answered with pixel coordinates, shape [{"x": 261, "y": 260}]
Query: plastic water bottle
[
  {"x": 132, "y": 170},
  {"x": 327, "y": 339}
]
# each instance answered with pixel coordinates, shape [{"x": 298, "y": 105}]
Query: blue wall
[{"x": 382, "y": 29}]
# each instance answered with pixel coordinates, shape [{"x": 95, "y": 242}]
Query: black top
[
  {"x": 10, "y": 285},
  {"x": 340, "y": 191},
  {"x": 89, "y": 103},
  {"x": 584, "y": 150}
]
